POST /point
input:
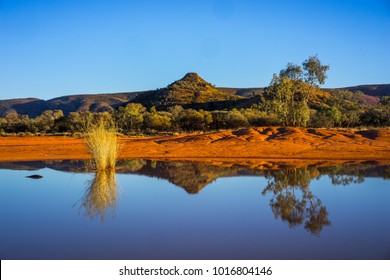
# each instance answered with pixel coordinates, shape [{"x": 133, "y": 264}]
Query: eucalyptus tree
[
  {"x": 290, "y": 91},
  {"x": 130, "y": 117}
]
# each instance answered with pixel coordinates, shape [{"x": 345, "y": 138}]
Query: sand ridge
[{"x": 242, "y": 144}]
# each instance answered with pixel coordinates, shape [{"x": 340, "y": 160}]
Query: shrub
[{"x": 101, "y": 140}]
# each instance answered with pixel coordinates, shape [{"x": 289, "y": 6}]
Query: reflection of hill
[
  {"x": 60, "y": 165},
  {"x": 193, "y": 176}
]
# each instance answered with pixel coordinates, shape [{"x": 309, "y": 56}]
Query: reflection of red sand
[{"x": 243, "y": 145}]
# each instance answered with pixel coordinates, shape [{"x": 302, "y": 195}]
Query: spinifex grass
[{"x": 101, "y": 140}]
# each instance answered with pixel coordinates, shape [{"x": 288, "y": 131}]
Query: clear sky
[{"x": 54, "y": 48}]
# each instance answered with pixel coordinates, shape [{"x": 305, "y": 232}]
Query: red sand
[{"x": 243, "y": 145}]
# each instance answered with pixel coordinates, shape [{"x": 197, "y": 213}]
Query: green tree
[
  {"x": 385, "y": 100},
  {"x": 375, "y": 117},
  {"x": 315, "y": 72},
  {"x": 16, "y": 123},
  {"x": 287, "y": 101},
  {"x": 175, "y": 112},
  {"x": 280, "y": 95},
  {"x": 293, "y": 72},
  {"x": 192, "y": 120},
  {"x": 219, "y": 119},
  {"x": 235, "y": 119},
  {"x": 160, "y": 121},
  {"x": 46, "y": 121},
  {"x": 327, "y": 116},
  {"x": 289, "y": 92},
  {"x": 130, "y": 117},
  {"x": 74, "y": 122},
  {"x": 207, "y": 119}
]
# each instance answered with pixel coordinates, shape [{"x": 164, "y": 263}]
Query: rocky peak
[{"x": 192, "y": 77}]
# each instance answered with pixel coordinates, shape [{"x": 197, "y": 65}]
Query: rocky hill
[{"x": 190, "y": 92}]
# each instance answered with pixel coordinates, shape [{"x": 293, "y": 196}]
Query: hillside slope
[
  {"x": 72, "y": 103},
  {"x": 190, "y": 92},
  {"x": 191, "y": 89},
  {"x": 372, "y": 90}
]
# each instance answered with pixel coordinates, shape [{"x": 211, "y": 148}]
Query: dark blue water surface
[{"x": 168, "y": 210}]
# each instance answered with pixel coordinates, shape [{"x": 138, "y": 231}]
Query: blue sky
[{"x": 55, "y": 48}]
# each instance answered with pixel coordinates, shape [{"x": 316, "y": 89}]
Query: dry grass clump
[{"x": 101, "y": 140}]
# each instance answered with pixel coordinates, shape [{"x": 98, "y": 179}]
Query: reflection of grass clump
[
  {"x": 101, "y": 196},
  {"x": 101, "y": 140}
]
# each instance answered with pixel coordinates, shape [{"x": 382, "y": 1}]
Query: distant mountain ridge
[
  {"x": 373, "y": 90},
  {"x": 72, "y": 103},
  {"x": 190, "y": 92}
]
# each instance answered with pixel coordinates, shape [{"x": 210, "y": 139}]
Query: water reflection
[
  {"x": 338, "y": 177},
  {"x": 293, "y": 200},
  {"x": 100, "y": 198},
  {"x": 190, "y": 176}
]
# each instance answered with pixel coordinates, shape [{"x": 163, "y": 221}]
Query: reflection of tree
[
  {"x": 100, "y": 198},
  {"x": 131, "y": 165},
  {"x": 338, "y": 176},
  {"x": 293, "y": 201},
  {"x": 345, "y": 180}
]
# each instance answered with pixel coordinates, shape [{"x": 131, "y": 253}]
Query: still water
[{"x": 182, "y": 210}]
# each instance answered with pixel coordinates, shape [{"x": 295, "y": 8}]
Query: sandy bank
[{"x": 248, "y": 145}]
